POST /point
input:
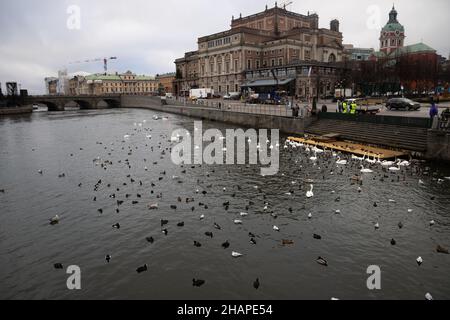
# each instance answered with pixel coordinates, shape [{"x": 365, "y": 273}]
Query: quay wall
[
  {"x": 257, "y": 121},
  {"x": 438, "y": 143},
  {"x": 15, "y": 110}
]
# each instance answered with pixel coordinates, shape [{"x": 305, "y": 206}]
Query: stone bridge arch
[
  {"x": 112, "y": 103},
  {"x": 84, "y": 104},
  {"x": 51, "y": 105}
]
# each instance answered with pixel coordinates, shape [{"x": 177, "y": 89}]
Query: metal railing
[
  {"x": 444, "y": 125},
  {"x": 230, "y": 106}
]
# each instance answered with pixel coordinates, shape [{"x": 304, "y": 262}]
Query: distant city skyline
[{"x": 148, "y": 36}]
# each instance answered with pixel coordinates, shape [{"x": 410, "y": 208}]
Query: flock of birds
[
  {"x": 394, "y": 167},
  {"x": 308, "y": 157},
  {"x": 315, "y": 157}
]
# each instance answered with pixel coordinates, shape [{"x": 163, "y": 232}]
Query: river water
[{"x": 70, "y": 142}]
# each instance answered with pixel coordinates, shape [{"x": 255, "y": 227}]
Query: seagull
[
  {"x": 377, "y": 226},
  {"x": 236, "y": 254},
  {"x": 419, "y": 261},
  {"x": 429, "y": 297},
  {"x": 237, "y": 221},
  {"x": 310, "y": 216},
  {"x": 432, "y": 223},
  {"x": 244, "y": 214},
  {"x": 276, "y": 228}
]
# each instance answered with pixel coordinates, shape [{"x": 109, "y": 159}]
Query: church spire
[{"x": 393, "y": 15}]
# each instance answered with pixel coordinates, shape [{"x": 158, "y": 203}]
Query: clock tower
[{"x": 392, "y": 35}]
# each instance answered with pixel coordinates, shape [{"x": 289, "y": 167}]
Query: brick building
[
  {"x": 165, "y": 83},
  {"x": 415, "y": 65}
]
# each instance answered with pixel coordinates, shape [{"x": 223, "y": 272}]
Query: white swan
[
  {"x": 358, "y": 158},
  {"x": 404, "y": 163},
  {"x": 317, "y": 150},
  {"x": 395, "y": 169},
  {"x": 371, "y": 161},
  {"x": 310, "y": 193},
  {"x": 363, "y": 170},
  {"x": 341, "y": 162},
  {"x": 387, "y": 163},
  {"x": 314, "y": 158}
]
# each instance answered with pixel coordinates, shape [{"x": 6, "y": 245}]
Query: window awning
[{"x": 267, "y": 83}]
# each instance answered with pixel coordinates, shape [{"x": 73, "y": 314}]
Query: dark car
[{"x": 402, "y": 103}]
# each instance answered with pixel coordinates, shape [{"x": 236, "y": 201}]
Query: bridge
[{"x": 58, "y": 102}]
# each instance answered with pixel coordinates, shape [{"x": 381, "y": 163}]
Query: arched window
[{"x": 332, "y": 58}]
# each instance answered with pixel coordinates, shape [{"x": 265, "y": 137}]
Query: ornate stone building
[
  {"x": 273, "y": 39},
  {"x": 392, "y": 35}
]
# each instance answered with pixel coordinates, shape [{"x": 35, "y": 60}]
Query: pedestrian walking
[
  {"x": 434, "y": 111},
  {"x": 296, "y": 110}
]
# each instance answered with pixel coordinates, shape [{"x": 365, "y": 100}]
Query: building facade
[
  {"x": 165, "y": 83},
  {"x": 415, "y": 66},
  {"x": 392, "y": 36},
  {"x": 51, "y": 86},
  {"x": 272, "y": 39},
  {"x": 357, "y": 54},
  {"x": 100, "y": 84}
]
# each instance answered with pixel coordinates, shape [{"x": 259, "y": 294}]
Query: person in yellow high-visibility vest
[
  {"x": 353, "y": 108},
  {"x": 345, "y": 107}
]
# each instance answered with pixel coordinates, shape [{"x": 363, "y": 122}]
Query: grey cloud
[{"x": 148, "y": 36}]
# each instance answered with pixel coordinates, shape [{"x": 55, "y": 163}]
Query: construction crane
[
  {"x": 286, "y": 4},
  {"x": 105, "y": 62}
]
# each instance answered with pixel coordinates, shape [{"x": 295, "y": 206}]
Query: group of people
[{"x": 346, "y": 107}]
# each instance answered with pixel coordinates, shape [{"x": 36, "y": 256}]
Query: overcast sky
[{"x": 148, "y": 35}]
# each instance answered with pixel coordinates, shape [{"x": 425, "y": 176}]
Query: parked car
[
  {"x": 232, "y": 96},
  {"x": 402, "y": 103}
]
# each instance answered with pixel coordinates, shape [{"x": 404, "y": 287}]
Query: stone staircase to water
[{"x": 396, "y": 136}]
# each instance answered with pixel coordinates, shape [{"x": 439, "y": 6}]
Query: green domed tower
[{"x": 393, "y": 34}]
